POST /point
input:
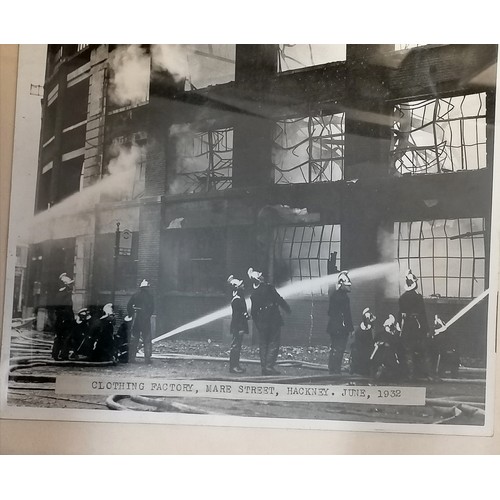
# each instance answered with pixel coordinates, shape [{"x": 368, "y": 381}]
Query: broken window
[
  {"x": 198, "y": 65},
  {"x": 303, "y": 252},
  {"x": 205, "y": 161},
  {"x": 309, "y": 149},
  {"x": 440, "y": 135},
  {"x": 448, "y": 255},
  {"x": 292, "y": 56}
]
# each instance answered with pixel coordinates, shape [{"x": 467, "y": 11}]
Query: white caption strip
[{"x": 389, "y": 395}]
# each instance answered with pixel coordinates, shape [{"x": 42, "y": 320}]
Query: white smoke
[
  {"x": 387, "y": 242},
  {"x": 174, "y": 59},
  {"x": 117, "y": 184},
  {"x": 130, "y": 75}
]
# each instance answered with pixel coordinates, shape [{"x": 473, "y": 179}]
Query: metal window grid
[
  {"x": 305, "y": 250},
  {"x": 207, "y": 162},
  {"x": 440, "y": 135},
  {"x": 447, "y": 255},
  {"x": 309, "y": 149}
]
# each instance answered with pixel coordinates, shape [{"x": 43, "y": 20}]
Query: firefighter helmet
[
  {"x": 343, "y": 279},
  {"x": 368, "y": 315},
  {"x": 65, "y": 280},
  {"x": 107, "y": 310},
  {"x": 235, "y": 283},
  {"x": 82, "y": 315},
  {"x": 127, "y": 318},
  {"x": 255, "y": 275},
  {"x": 410, "y": 281},
  {"x": 144, "y": 283}
]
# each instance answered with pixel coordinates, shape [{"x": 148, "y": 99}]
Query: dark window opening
[
  {"x": 200, "y": 255},
  {"x": 49, "y": 122},
  {"x": 43, "y": 198},
  {"x": 69, "y": 178},
  {"x": 75, "y": 103},
  {"x": 126, "y": 265}
]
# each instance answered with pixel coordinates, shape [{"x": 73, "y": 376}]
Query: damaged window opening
[
  {"x": 447, "y": 255},
  {"x": 309, "y": 149},
  {"x": 295, "y": 56},
  {"x": 440, "y": 135},
  {"x": 206, "y": 162},
  {"x": 302, "y": 252}
]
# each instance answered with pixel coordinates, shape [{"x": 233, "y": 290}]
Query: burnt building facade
[{"x": 212, "y": 159}]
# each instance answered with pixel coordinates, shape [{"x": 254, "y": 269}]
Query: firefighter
[
  {"x": 265, "y": 312},
  {"x": 239, "y": 323},
  {"x": 65, "y": 318},
  {"x": 340, "y": 321},
  {"x": 104, "y": 347},
  {"x": 80, "y": 334},
  {"x": 385, "y": 358},
  {"x": 141, "y": 307},
  {"x": 415, "y": 330},
  {"x": 362, "y": 347},
  {"x": 123, "y": 339},
  {"x": 445, "y": 350}
]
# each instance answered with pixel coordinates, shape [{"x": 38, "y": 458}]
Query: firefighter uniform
[
  {"x": 64, "y": 318},
  {"x": 363, "y": 344},
  {"x": 123, "y": 339},
  {"x": 414, "y": 330},
  {"x": 141, "y": 307},
  {"x": 265, "y": 312},
  {"x": 239, "y": 324},
  {"x": 385, "y": 359},
  {"x": 104, "y": 347},
  {"x": 80, "y": 333},
  {"x": 339, "y": 323}
]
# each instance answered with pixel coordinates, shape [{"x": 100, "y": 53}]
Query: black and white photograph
[{"x": 263, "y": 235}]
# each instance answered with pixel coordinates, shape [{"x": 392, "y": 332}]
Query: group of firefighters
[
  {"x": 402, "y": 350},
  {"x": 91, "y": 336},
  {"x": 406, "y": 347}
]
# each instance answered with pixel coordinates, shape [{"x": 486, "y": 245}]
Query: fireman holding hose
[
  {"x": 265, "y": 312},
  {"x": 415, "y": 330},
  {"x": 239, "y": 323},
  {"x": 141, "y": 307}
]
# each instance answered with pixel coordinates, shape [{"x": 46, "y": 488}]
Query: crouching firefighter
[
  {"x": 82, "y": 345},
  {"x": 340, "y": 321},
  {"x": 385, "y": 363},
  {"x": 104, "y": 347},
  {"x": 265, "y": 312},
  {"x": 141, "y": 307},
  {"x": 239, "y": 323},
  {"x": 362, "y": 347}
]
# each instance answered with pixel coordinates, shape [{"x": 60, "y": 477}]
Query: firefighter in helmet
[
  {"x": 362, "y": 347},
  {"x": 104, "y": 347},
  {"x": 239, "y": 323},
  {"x": 64, "y": 318},
  {"x": 387, "y": 352},
  {"x": 415, "y": 330},
  {"x": 265, "y": 312},
  {"x": 141, "y": 307},
  {"x": 340, "y": 321},
  {"x": 81, "y": 345}
]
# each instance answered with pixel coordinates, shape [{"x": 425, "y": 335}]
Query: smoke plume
[
  {"x": 71, "y": 212},
  {"x": 130, "y": 75}
]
